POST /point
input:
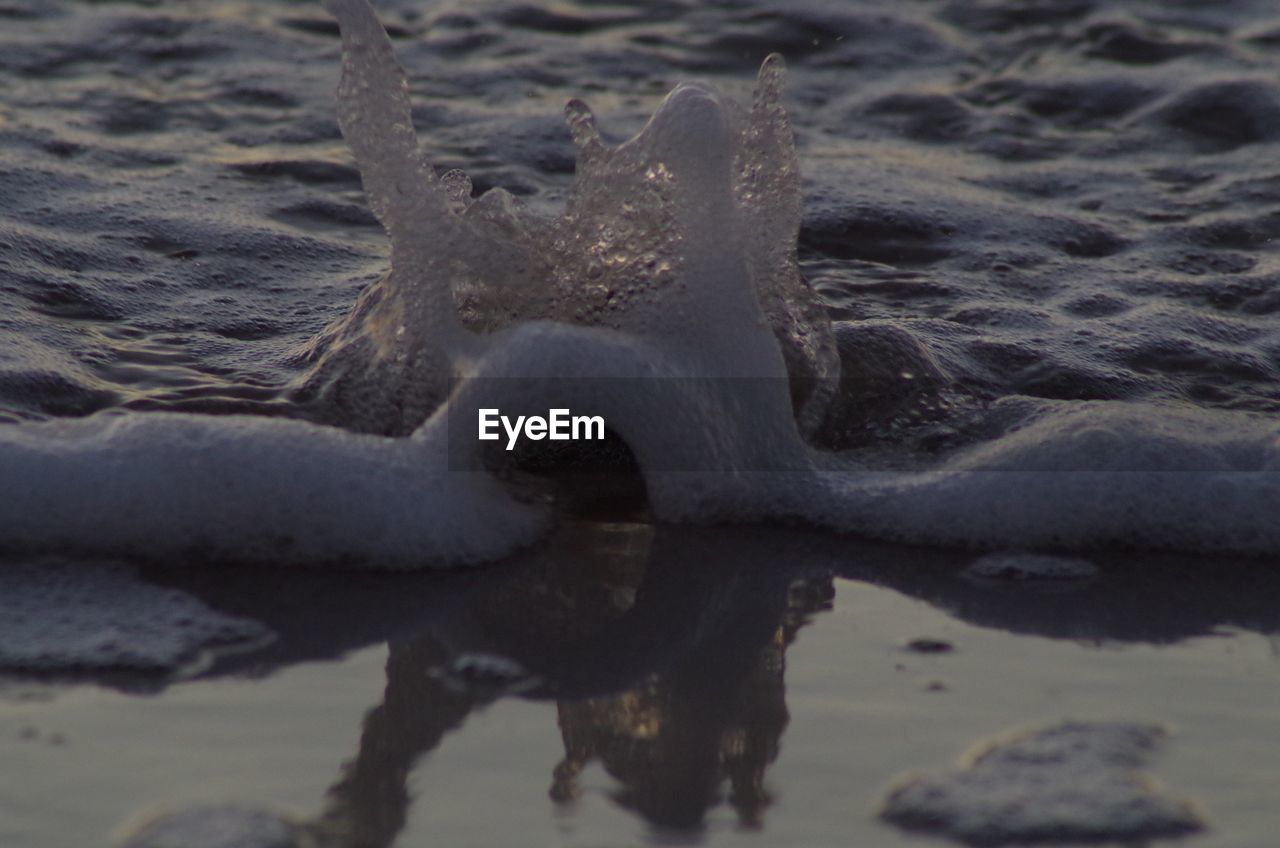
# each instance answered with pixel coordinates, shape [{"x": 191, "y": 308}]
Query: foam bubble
[
  {"x": 698, "y": 214},
  {"x": 217, "y": 826},
  {"x": 58, "y": 616},
  {"x": 1083, "y": 476},
  {"x": 1074, "y": 782},
  {"x": 1020, "y": 565},
  {"x": 181, "y": 487}
]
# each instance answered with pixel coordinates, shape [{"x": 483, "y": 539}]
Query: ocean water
[{"x": 1041, "y": 314}]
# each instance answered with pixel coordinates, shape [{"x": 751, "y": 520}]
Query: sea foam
[
  {"x": 58, "y": 616},
  {"x": 665, "y": 299},
  {"x": 177, "y": 487},
  {"x": 1074, "y": 782}
]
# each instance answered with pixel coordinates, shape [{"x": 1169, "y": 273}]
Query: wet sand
[{"x": 770, "y": 694}]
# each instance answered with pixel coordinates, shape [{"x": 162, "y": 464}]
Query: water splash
[
  {"x": 664, "y": 299},
  {"x": 697, "y": 215}
]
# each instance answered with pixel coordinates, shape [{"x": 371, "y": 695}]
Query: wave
[{"x": 666, "y": 299}]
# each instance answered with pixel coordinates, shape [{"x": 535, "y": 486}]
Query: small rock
[{"x": 930, "y": 646}]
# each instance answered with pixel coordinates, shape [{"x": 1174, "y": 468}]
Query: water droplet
[{"x": 457, "y": 184}]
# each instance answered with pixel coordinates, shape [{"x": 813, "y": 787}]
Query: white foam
[
  {"x": 1075, "y": 782},
  {"x": 1084, "y": 476},
  {"x": 180, "y": 487},
  {"x": 679, "y": 245},
  {"x": 59, "y": 616},
  {"x": 677, "y": 254},
  {"x": 695, "y": 216}
]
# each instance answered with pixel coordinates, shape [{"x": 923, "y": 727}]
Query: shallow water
[
  {"x": 1021, "y": 208},
  {"x": 1072, "y": 202},
  {"x": 771, "y": 694}
]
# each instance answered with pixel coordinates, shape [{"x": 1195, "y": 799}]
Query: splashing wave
[{"x": 670, "y": 282}]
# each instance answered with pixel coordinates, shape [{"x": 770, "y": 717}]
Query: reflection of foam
[
  {"x": 665, "y": 663},
  {"x": 675, "y": 740},
  {"x": 607, "y": 616}
]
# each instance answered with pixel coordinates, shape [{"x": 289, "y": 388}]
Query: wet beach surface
[
  {"x": 1050, "y": 202},
  {"x": 626, "y": 685}
]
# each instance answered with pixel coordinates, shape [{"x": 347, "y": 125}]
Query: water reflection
[
  {"x": 369, "y": 803},
  {"x": 715, "y": 717},
  {"x": 664, "y": 649},
  {"x": 666, "y": 667}
]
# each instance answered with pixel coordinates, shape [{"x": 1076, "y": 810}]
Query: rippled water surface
[
  {"x": 1044, "y": 202},
  {"x": 1060, "y": 199}
]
